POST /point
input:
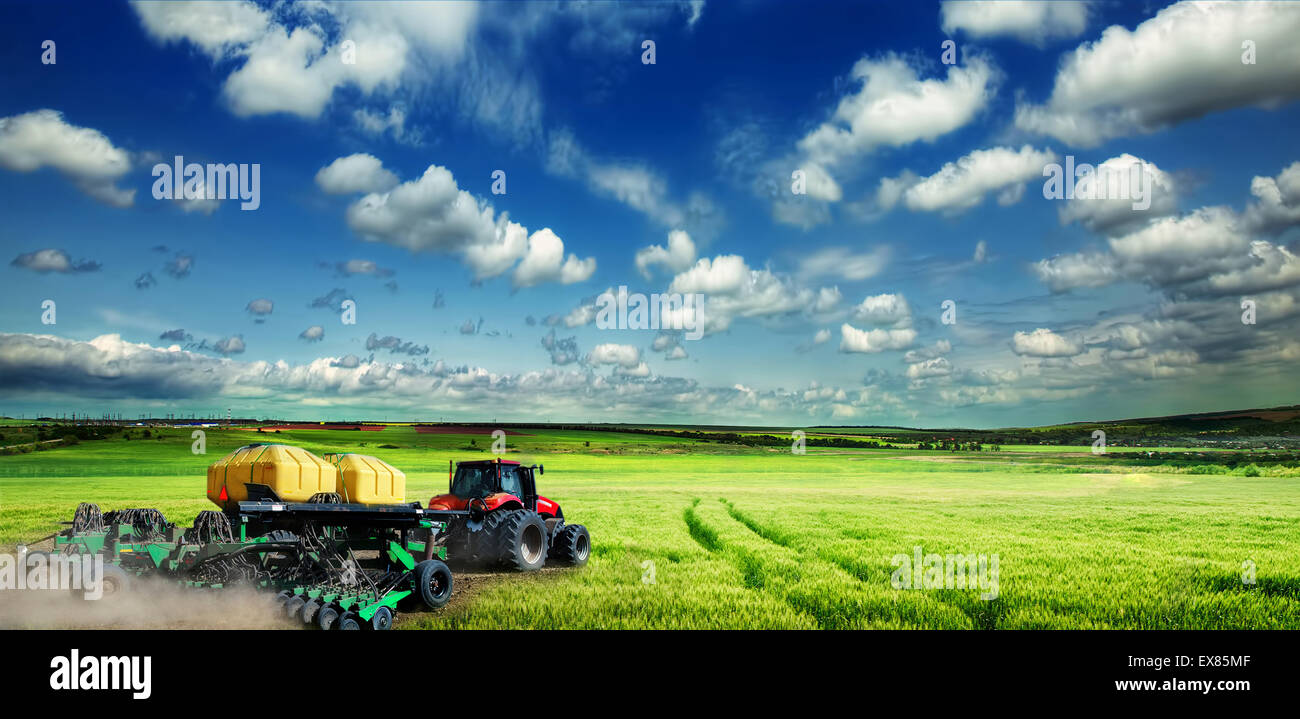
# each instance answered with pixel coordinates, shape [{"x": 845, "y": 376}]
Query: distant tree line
[{"x": 35, "y": 438}]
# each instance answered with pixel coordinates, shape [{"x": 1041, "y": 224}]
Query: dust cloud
[{"x": 147, "y": 604}]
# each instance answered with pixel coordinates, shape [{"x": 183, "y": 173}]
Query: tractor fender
[
  {"x": 499, "y": 501},
  {"x": 547, "y": 508},
  {"x": 502, "y": 500},
  {"x": 447, "y": 501}
]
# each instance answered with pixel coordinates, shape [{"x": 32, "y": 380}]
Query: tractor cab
[{"x": 499, "y": 484}]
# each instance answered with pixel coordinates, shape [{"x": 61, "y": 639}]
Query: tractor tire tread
[
  {"x": 566, "y": 546},
  {"x": 514, "y": 523}
]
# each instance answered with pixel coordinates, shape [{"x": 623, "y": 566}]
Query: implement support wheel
[
  {"x": 114, "y": 582},
  {"x": 349, "y": 622},
  {"x": 327, "y": 617},
  {"x": 432, "y": 583},
  {"x": 382, "y": 620},
  {"x": 309, "y": 610}
]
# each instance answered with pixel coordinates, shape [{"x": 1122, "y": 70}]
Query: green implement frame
[{"x": 358, "y": 558}]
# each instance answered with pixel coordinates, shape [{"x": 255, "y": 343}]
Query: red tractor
[{"x": 508, "y": 522}]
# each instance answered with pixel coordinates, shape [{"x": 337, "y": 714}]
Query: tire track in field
[
  {"x": 753, "y": 575},
  {"x": 699, "y": 531},
  {"x": 982, "y": 614},
  {"x": 855, "y": 569},
  {"x": 825, "y": 612},
  {"x": 751, "y": 568},
  {"x": 771, "y": 534},
  {"x": 822, "y": 615},
  {"x": 749, "y": 565},
  {"x": 751, "y": 571},
  {"x": 756, "y": 575}
]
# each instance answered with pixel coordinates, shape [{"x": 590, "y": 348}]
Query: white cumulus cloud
[
  {"x": 1112, "y": 213},
  {"x": 871, "y": 341},
  {"x": 1030, "y": 22},
  {"x": 893, "y": 106},
  {"x": 961, "y": 185},
  {"x": 1043, "y": 342},
  {"x": 884, "y": 309},
  {"x": 545, "y": 262},
  {"x": 1183, "y": 63},
  {"x": 432, "y": 214},
  {"x": 625, "y": 356},
  {"x": 677, "y": 257},
  {"x": 355, "y": 174},
  {"x": 42, "y": 138}
]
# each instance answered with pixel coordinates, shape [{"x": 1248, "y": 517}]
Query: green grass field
[{"x": 703, "y": 535}]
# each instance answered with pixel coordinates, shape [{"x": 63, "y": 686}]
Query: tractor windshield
[
  {"x": 510, "y": 481},
  {"x": 474, "y": 481}
]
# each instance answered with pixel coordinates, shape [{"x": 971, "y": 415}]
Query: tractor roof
[{"x": 489, "y": 461}]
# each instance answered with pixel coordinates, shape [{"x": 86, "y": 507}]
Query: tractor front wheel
[
  {"x": 572, "y": 545},
  {"x": 522, "y": 540}
]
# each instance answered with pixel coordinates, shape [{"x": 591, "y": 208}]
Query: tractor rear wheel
[
  {"x": 483, "y": 547},
  {"x": 433, "y": 583},
  {"x": 572, "y": 545},
  {"x": 521, "y": 540}
]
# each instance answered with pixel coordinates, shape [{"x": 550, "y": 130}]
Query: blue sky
[{"x": 924, "y": 183}]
